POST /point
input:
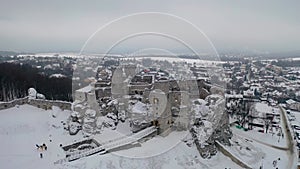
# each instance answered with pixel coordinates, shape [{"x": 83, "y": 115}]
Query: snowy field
[
  {"x": 256, "y": 154},
  {"x": 22, "y": 127},
  {"x": 262, "y": 149},
  {"x": 265, "y": 138}
]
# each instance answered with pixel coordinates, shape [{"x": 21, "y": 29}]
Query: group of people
[{"x": 41, "y": 148}]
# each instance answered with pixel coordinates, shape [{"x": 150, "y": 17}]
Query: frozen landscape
[
  {"x": 22, "y": 127},
  {"x": 132, "y": 127},
  {"x": 149, "y": 84}
]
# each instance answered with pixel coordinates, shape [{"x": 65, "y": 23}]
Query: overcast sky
[{"x": 53, "y": 26}]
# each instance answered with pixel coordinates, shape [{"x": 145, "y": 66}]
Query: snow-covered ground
[
  {"x": 22, "y": 127},
  {"x": 256, "y": 154},
  {"x": 275, "y": 135},
  {"x": 178, "y": 157},
  {"x": 294, "y": 120},
  {"x": 263, "y": 149},
  {"x": 266, "y": 138},
  {"x": 294, "y": 117}
]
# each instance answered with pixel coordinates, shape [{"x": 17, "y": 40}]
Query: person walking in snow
[
  {"x": 274, "y": 163},
  {"x": 41, "y": 155}
]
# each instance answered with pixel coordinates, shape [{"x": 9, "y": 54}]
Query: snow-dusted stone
[
  {"x": 204, "y": 131},
  {"x": 112, "y": 116},
  {"x": 40, "y": 96},
  {"x": 74, "y": 127},
  {"x": 90, "y": 113},
  {"x": 32, "y": 93}
]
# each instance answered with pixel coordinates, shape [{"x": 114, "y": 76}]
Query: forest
[{"x": 16, "y": 79}]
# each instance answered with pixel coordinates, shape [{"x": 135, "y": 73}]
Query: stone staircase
[{"x": 109, "y": 145}]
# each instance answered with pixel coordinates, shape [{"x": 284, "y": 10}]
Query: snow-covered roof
[
  {"x": 238, "y": 96},
  {"x": 57, "y": 75},
  {"x": 290, "y": 101}
]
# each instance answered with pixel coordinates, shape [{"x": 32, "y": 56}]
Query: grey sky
[{"x": 37, "y": 26}]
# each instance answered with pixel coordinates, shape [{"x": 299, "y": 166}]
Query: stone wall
[
  {"x": 44, "y": 104},
  {"x": 103, "y": 92},
  {"x": 138, "y": 89},
  {"x": 47, "y": 104},
  {"x": 6, "y": 105}
]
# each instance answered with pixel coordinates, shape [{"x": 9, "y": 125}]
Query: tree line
[{"x": 16, "y": 79}]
